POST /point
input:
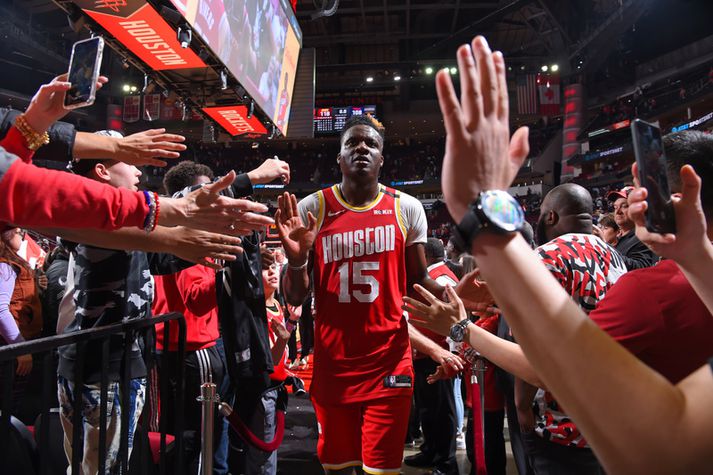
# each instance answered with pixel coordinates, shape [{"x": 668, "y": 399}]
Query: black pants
[
  {"x": 549, "y": 458},
  {"x": 495, "y": 458},
  {"x": 519, "y": 452},
  {"x": 306, "y": 329},
  {"x": 201, "y": 366},
  {"x": 436, "y": 409}
]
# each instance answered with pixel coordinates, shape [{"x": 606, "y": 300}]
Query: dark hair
[
  {"x": 695, "y": 148},
  {"x": 364, "y": 119},
  {"x": 608, "y": 221},
  {"x": 434, "y": 248},
  {"x": 184, "y": 174},
  {"x": 528, "y": 233},
  {"x": 9, "y": 254}
]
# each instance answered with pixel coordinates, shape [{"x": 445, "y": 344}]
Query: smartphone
[
  {"x": 84, "y": 67},
  {"x": 651, "y": 161}
]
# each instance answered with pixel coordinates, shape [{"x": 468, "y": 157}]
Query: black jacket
[{"x": 634, "y": 252}]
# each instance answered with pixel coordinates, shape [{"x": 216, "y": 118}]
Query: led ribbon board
[{"x": 234, "y": 119}]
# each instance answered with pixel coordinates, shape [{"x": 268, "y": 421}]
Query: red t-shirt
[
  {"x": 192, "y": 293},
  {"x": 33, "y": 196},
  {"x": 656, "y": 314},
  {"x": 280, "y": 371},
  {"x": 361, "y": 338}
]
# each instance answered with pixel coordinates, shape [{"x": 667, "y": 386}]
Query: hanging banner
[
  {"x": 132, "y": 105},
  {"x": 548, "y": 86},
  {"x": 235, "y": 121},
  {"x": 152, "y": 107},
  {"x": 139, "y": 27}
]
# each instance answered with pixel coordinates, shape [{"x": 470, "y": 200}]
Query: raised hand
[
  {"x": 437, "y": 316},
  {"x": 270, "y": 170},
  {"x": 206, "y": 209},
  {"x": 690, "y": 239},
  {"x": 474, "y": 293},
  {"x": 203, "y": 247},
  {"x": 149, "y": 147},
  {"x": 479, "y": 154},
  {"x": 47, "y": 106},
  {"x": 297, "y": 239}
]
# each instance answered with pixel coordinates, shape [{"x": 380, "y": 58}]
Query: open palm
[{"x": 297, "y": 239}]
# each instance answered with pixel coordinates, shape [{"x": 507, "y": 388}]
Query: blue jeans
[
  {"x": 91, "y": 406},
  {"x": 460, "y": 410},
  {"x": 220, "y": 446}
]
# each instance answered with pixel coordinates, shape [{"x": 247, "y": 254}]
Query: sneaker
[
  {"x": 295, "y": 363},
  {"x": 460, "y": 442},
  {"x": 303, "y": 363},
  {"x": 420, "y": 460}
]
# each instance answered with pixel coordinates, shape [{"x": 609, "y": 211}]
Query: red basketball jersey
[{"x": 362, "y": 348}]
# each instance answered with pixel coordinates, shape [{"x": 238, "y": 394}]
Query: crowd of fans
[{"x": 572, "y": 392}]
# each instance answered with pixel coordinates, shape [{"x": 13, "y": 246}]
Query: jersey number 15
[{"x": 358, "y": 278}]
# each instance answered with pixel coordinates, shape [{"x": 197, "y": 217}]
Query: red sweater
[
  {"x": 33, "y": 196},
  {"x": 192, "y": 293}
]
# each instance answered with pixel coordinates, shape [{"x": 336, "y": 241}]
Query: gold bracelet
[{"x": 33, "y": 139}]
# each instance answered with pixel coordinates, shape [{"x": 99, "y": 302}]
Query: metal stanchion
[{"x": 208, "y": 399}]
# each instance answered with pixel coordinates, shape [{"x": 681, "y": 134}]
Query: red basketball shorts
[{"x": 369, "y": 434}]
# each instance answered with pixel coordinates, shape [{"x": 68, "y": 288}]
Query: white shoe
[{"x": 460, "y": 442}]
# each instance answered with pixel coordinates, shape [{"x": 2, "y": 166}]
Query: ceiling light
[
  {"x": 454, "y": 71},
  {"x": 522, "y": 68},
  {"x": 126, "y": 88},
  {"x": 397, "y": 78},
  {"x": 544, "y": 68},
  {"x": 134, "y": 88},
  {"x": 554, "y": 68},
  {"x": 429, "y": 70},
  {"x": 369, "y": 79}
]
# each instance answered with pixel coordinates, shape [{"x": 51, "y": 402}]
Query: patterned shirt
[{"x": 586, "y": 267}]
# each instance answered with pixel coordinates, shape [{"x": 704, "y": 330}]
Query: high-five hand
[
  {"x": 479, "y": 155},
  {"x": 297, "y": 239}
]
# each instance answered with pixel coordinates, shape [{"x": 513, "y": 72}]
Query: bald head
[
  {"x": 569, "y": 199},
  {"x": 566, "y": 209}
]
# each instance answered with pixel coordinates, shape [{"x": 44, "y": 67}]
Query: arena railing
[{"x": 47, "y": 349}]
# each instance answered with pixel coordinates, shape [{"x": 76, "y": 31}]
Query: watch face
[
  {"x": 502, "y": 210},
  {"x": 457, "y": 333}
]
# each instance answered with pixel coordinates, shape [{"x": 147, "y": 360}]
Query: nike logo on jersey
[{"x": 334, "y": 213}]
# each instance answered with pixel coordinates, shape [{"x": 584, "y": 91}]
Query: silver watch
[{"x": 457, "y": 332}]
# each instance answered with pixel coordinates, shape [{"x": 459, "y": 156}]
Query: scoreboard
[{"x": 331, "y": 120}]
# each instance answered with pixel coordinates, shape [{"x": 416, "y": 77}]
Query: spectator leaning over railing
[
  {"x": 590, "y": 374},
  {"x": 74, "y": 202}
]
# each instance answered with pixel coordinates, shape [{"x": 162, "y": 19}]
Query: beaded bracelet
[
  {"x": 33, "y": 139},
  {"x": 158, "y": 211},
  {"x": 150, "y": 222}
]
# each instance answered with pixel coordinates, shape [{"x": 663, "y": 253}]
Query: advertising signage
[
  {"x": 234, "y": 119},
  {"x": 139, "y": 27}
]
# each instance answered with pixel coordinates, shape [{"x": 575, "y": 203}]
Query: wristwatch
[
  {"x": 457, "y": 332},
  {"x": 495, "y": 211}
]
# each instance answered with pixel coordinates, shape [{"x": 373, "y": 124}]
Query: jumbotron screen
[
  {"x": 259, "y": 41},
  {"x": 331, "y": 120}
]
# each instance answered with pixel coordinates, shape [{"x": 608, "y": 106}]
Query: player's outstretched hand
[
  {"x": 149, "y": 147},
  {"x": 437, "y": 316},
  {"x": 205, "y": 208},
  {"x": 47, "y": 106},
  {"x": 297, "y": 239},
  {"x": 479, "y": 154},
  {"x": 690, "y": 241},
  {"x": 473, "y": 292},
  {"x": 270, "y": 170}
]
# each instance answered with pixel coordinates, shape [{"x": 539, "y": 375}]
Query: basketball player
[{"x": 366, "y": 243}]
